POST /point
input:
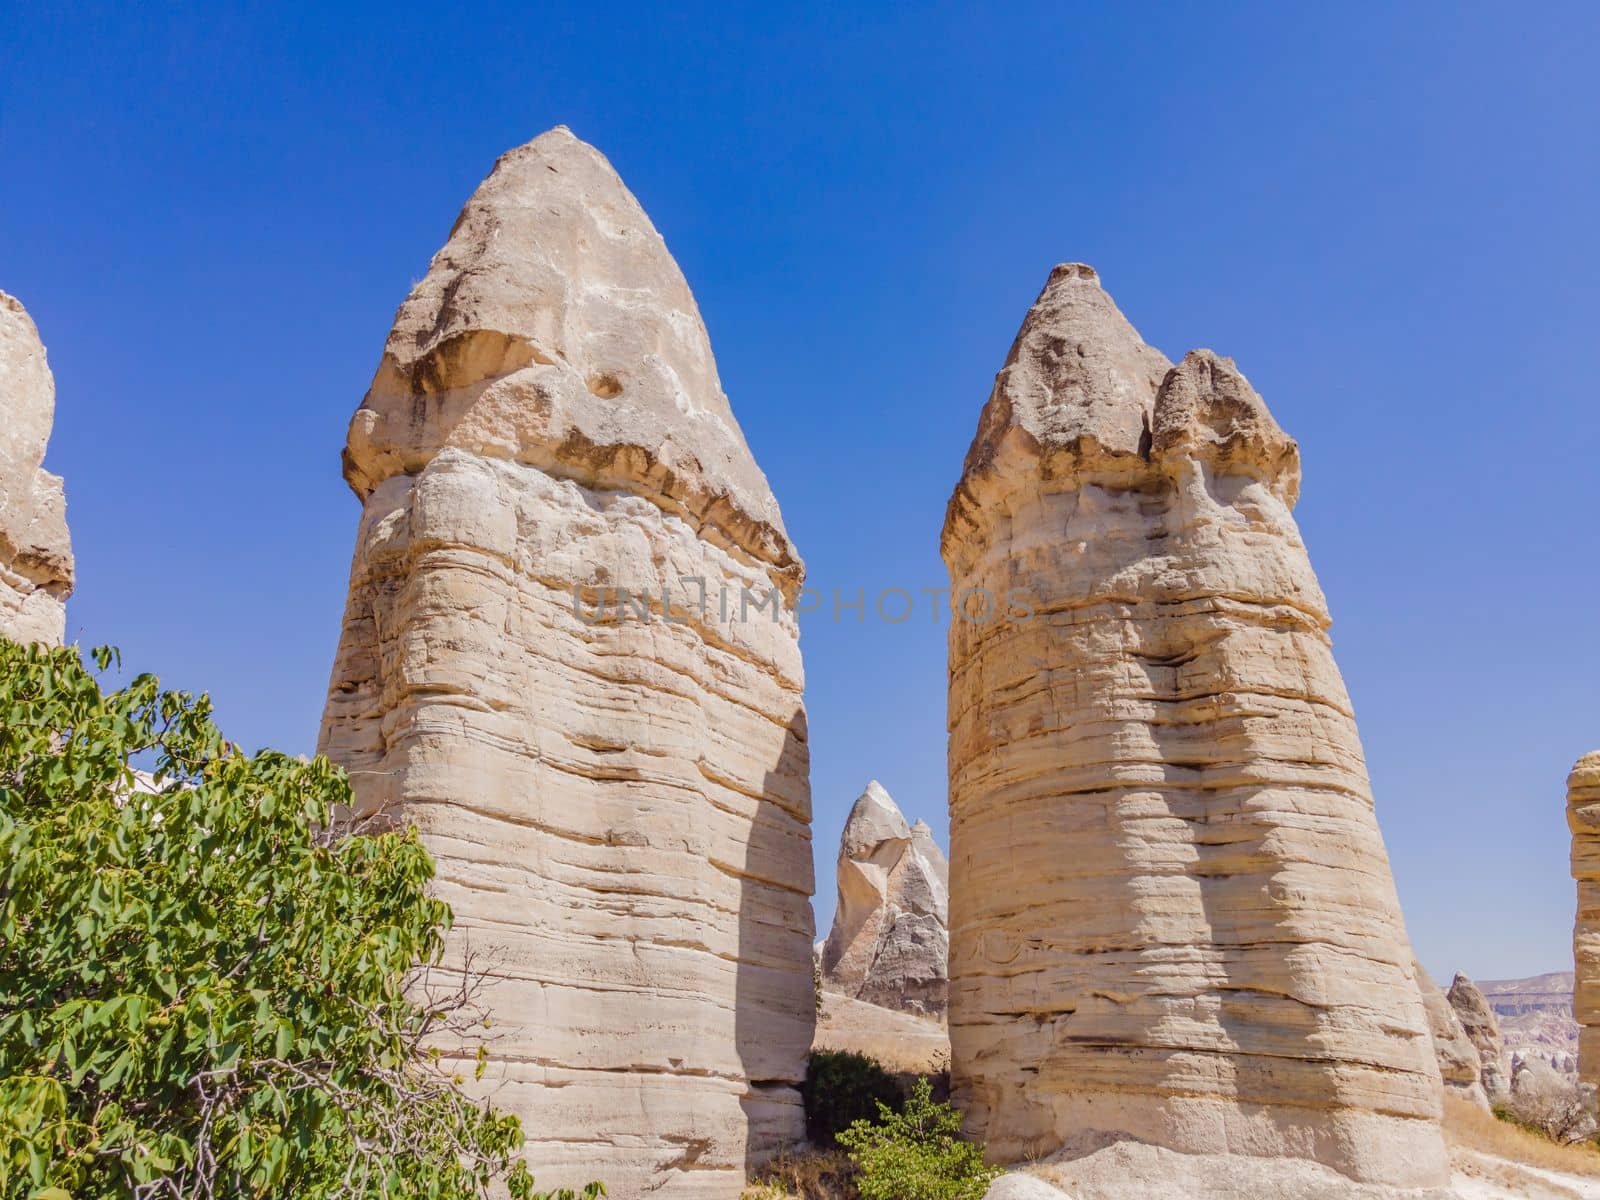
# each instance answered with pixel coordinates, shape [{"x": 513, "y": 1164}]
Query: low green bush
[
  {"x": 842, "y": 1087},
  {"x": 916, "y": 1153}
]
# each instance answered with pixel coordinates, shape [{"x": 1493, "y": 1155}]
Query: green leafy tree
[
  {"x": 212, "y": 983},
  {"x": 916, "y": 1153}
]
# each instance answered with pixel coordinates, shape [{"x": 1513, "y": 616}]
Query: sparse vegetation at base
[
  {"x": 1470, "y": 1128},
  {"x": 916, "y": 1153},
  {"x": 841, "y": 1087},
  {"x": 212, "y": 984},
  {"x": 901, "y": 1148},
  {"x": 1555, "y": 1106},
  {"x": 806, "y": 1175}
]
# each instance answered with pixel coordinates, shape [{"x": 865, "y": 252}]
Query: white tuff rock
[
  {"x": 618, "y": 805},
  {"x": 1172, "y": 918},
  {"x": 35, "y": 551},
  {"x": 890, "y": 938}
]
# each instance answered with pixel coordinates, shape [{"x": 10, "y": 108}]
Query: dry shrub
[
  {"x": 1470, "y": 1128},
  {"x": 1553, "y": 1104},
  {"x": 805, "y": 1175}
]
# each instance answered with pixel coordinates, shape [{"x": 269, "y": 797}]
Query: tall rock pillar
[
  {"x": 615, "y": 786},
  {"x": 35, "y": 552},
  {"x": 1583, "y": 818},
  {"x": 1172, "y": 915}
]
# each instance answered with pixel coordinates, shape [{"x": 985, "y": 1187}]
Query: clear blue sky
[{"x": 1384, "y": 213}]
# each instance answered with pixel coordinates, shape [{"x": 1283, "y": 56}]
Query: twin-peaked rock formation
[
  {"x": 1583, "y": 818},
  {"x": 619, "y": 805},
  {"x": 890, "y": 939},
  {"x": 1172, "y": 915},
  {"x": 35, "y": 552}
]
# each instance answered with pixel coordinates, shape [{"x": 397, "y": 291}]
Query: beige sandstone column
[
  {"x": 1172, "y": 916},
  {"x": 619, "y": 804},
  {"x": 1583, "y": 818}
]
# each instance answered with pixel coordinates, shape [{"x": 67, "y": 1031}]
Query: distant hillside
[{"x": 1535, "y": 1013}]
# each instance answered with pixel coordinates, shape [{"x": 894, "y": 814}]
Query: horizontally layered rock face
[
  {"x": 1583, "y": 818},
  {"x": 618, "y": 803},
  {"x": 1478, "y": 1021},
  {"x": 1172, "y": 915},
  {"x": 1460, "y": 1066},
  {"x": 890, "y": 939},
  {"x": 35, "y": 551}
]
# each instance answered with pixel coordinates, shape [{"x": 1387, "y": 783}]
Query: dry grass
[
  {"x": 1470, "y": 1128},
  {"x": 805, "y": 1175}
]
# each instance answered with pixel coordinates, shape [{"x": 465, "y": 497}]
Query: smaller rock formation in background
[
  {"x": 1478, "y": 1021},
  {"x": 1460, "y": 1065},
  {"x": 35, "y": 552},
  {"x": 1583, "y": 818},
  {"x": 890, "y": 940}
]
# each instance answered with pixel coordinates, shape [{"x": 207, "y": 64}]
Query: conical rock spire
[
  {"x": 555, "y": 329},
  {"x": 1172, "y": 918},
  {"x": 619, "y": 805},
  {"x": 890, "y": 941}
]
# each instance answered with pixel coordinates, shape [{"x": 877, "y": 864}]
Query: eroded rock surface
[
  {"x": 1583, "y": 818},
  {"x": 1460, "y": 1066},
  {"x": 1483, "y": 1030},
  {"x": 890, "y": 940},
  {"x": 35, "y": 551},
  {"x": 1172, "y": 915},
  {"x": 619, "y": 805}
]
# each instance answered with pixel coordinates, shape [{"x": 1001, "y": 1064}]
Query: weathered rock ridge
[
  {"x": 1583, "y": 819},
  {"x": 618, "y": 804},
  {"x": 1460, "y": 1066},
  {"x": 35, "y": 552},
  {"x": 1478, "y": 1021},
  {"x": 1172, "y": 914},
  {"x": 890, "y": 939}
]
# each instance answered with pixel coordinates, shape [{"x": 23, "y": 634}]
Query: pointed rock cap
[
  {"x": 1207, "y": 411},
  {"x": 922, "y": 835},
  {"x": 1586, "y": 771},
  {"x": 1076, "y": 392},
  {"x": 922, "y": 840},
  {"x": 1583, "y": 813},
  {"x": 554, "y": 328},
  {"x": 874, "y": 819},
  {"x": 28, "y": 404},
  {"x": 35, "y": 547},
  {"x": 1471, "y": 1005},
  {"x": 1083, "y": 397}
]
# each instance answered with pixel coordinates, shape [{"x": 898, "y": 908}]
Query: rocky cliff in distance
[
  {"x": 1534, "y": 1015},
  {"x": 890, "y": 939},
  {"x": 618, "y": 803},
  {"x": 1583, "y": 819},
  {"x": 1172, "y": 915},
  {"x": 36, "y": 566}
]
